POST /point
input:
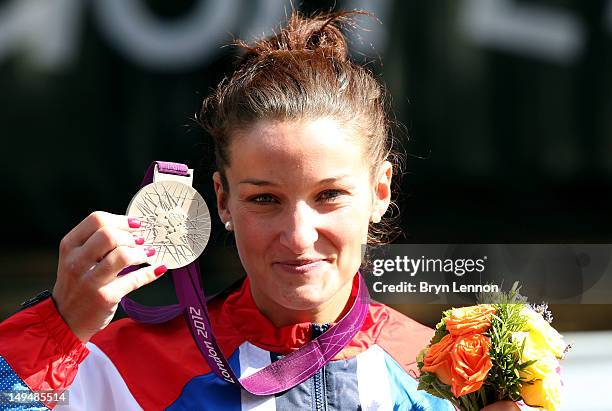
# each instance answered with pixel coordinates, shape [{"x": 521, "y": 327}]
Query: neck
[{"x": 329, "y": 311}]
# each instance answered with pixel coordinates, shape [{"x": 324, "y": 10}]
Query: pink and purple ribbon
[{"x": 279, "y": 376}]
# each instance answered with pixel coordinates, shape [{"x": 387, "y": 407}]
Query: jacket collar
[{"x": 240, "y": 310}]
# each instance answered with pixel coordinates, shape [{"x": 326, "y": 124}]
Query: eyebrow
[{"x": 258, "y": 182}]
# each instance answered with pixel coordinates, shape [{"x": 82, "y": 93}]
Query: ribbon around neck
[{"x": 277, "y": 377}]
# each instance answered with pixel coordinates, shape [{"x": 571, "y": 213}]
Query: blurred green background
[{"x": 504, "y": 106}]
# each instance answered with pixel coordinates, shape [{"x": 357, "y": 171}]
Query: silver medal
[{"x": 175, "y": 221}]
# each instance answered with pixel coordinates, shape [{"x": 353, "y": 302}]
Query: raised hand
[{"x": 87, "y": 290}]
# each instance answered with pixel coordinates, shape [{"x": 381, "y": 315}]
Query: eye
[
  {"x": 262, "y": 199},
  {"x": 330, "y": 195}
]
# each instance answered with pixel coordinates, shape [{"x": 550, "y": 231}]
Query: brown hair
[{"x": 302, "y": 73}]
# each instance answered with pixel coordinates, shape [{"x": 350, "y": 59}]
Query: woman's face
[{"x": 300, "y": 200}]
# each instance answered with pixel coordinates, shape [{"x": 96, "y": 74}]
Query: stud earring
[
  {"x": 375, "y": 217},
  {"x": 229, "y": 226}
]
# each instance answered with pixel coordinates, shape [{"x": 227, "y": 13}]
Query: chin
[
  {"x": 305, "y": 298},
  {"x": 311, "y": 296}
]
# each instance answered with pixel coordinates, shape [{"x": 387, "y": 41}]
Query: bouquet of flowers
[{"x": 485, "y": 353}]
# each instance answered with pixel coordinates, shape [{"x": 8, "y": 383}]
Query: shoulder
[
  {"x": 401, "y": 337},
  {"x": 387, "y": 371},
  {"x": 157, "y": 360},
  {"x": 135, "y": 340}
]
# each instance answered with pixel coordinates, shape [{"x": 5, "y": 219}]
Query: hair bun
[{"x": 321, "y": 33}]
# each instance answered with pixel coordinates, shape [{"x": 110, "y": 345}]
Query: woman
[{"x": 303, "y": 179}]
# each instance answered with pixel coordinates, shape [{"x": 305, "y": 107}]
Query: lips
[
  {"x": 301, "y": 266},
  {"x": 301, "y": 261}
]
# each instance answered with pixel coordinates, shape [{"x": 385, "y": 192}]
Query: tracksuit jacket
[{"x": 133, "y": 366}]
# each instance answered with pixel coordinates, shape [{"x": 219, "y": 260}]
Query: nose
[{"x": 299, "y": 231}]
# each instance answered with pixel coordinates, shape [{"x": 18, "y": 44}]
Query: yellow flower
[
  {"x": 543, "y": 337},
  {"x": 534, "y": 349},
  {"x": 545, "y": 345},
  {"x": 545, "y": 393}
]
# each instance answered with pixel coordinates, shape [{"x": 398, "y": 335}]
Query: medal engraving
[{"x": 174, "y": 220}]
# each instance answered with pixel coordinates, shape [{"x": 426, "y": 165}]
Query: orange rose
[
  {"x": 470, "y": 363},
  {"x": 466, "y": 320},
  {"x": 437, "y": 360}
]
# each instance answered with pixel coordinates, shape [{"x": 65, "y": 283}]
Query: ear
[
  {"x": 222, "y": 196},
  {"x": 382, "y": 188}
]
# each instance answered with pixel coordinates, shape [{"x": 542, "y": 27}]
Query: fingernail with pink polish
[
  {"x": 133, "y": 222},
  {"x": 138, "y": 240},
  {"x": 150, "y": 251},
  {"x": 160, "y": 270}
]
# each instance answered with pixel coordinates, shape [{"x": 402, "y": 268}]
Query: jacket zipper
[{"x": 320, "y": 395}]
